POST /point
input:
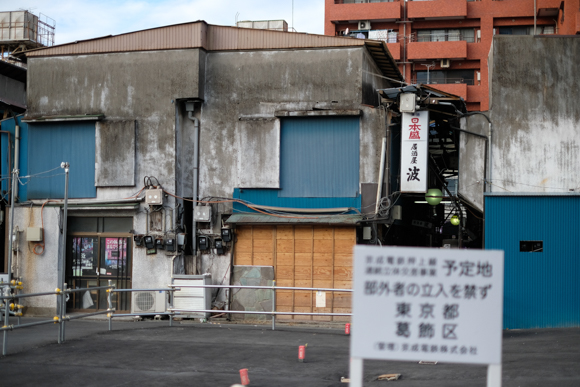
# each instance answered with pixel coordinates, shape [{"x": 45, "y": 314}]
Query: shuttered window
[
  {"x": 49, "y": 144},
  {"x": 319, "y": 157}
]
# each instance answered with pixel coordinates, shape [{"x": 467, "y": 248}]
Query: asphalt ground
[{"x": 150, "y": 353}]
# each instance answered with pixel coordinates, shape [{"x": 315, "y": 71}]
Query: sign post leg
[
  {"x": 356, "y": 372},
  {"x": 493, "y": 375}
]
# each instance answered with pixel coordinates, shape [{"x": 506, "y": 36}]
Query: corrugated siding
[
  {"x": 319, "y": 157},
  {"x": 197, "y": 35},
  {"x": 541, "y": 289},
  {"x": 52, "y": 143},
  {"x": 164, "y": 38},
  {"x": 270, "y": 197},
  {"x": 7, "y": 165}
]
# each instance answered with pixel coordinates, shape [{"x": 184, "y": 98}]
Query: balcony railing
[
  {"x": 442, "y": 37},
  {"x": 446, "y": 81},
  {"x": 362, "y": 1}
]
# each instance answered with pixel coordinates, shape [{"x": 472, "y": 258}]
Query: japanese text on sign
[
  {"x": 431, "y": 304},
  {"x": 414, "y": 147}
]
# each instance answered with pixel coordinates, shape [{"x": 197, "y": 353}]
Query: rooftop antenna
[{"x": 237, "y": 14}]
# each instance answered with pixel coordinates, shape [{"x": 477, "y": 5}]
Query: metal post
[
  {"x": 110, "y": 303},
  {"x": 62, "y": 257},
  {"x": 494, "y": 375},
  {"x": 273, "y": 305},
  {"x": 63, "y": 313},
  {"x": 10, "y": 228},
  {"x": 356, "y": 372}
]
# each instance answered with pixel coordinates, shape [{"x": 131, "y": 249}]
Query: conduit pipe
[
  {"x": 381, "y": 175},
  {"x": 195, "y": 174},
  {"x": 16, "y": 153}
]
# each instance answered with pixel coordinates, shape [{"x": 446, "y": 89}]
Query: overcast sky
[{"x": 85, "y": 19}]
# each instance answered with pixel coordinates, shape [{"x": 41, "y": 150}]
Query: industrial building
[
  {"x": 170, "y": 133},
  {"x": 446, "y": 42}
]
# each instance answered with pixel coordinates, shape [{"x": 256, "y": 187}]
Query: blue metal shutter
[
  {"x": 319, "y": 157},
  {"x": 49, "y": 144},
  {"x": 541, "y": 288}
]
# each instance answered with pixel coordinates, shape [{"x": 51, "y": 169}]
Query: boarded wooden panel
[
  {"x": 302, "y": 232},
  {"x": 323, "y": 233},
  {"x": 348, "y": 233},
  {"x": 322, "y": 273},
  {"x": 303, "y": 272},
  {"x": 243, "y": 244},
  {"x": 321, "y": 283},
  {"x": 284, "y": 246},
  {"x": 242, "y": 258},
  {"x": 303, "y": 246},
  {"x": 343, "y": 260},
  {"x": 284, "y": 259},
  {"x": 300, "y": 283},
  {"x": 263, "y": 232},
  {"x": 302, "y": 298},
  {"x": 285, "y": 282},
  {"x": 263, "y": 246},
  {"x": 284, "y": 272},
  {"x": 343, "y": 246},
  {"x": 323, "y": 245},
  {"x": 322, "y": 259},
  {"x": 303, "y": 259},
  {"x": 285, "y": 232},
  {"x": 284, "y": 298},
  {"x": 343, "y": 273},
  {"x": 263, "y": 259},
  {"x": 302, "y": 309},
  {"x": 243, "y": 232}
]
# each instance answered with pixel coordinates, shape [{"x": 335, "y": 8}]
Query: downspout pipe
[{"x": 195, "y": 173}]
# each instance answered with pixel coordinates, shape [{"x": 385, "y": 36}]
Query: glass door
[{"x": 92, "y": 262}]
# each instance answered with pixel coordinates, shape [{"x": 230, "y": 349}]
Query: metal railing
[
  {"x": 62, "y": 318},
  {"x": 446, "y": 81},
  {"x": 273, "y": 313},
  {"x": 441, "y": 37}
]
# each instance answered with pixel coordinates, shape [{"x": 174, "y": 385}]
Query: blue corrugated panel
[
  {"x": 319, "y": 157},
  {"x": 9, "y": 125},
  {"x": 52, "y": 143},
  {"x": 542, "y": 289},
  {"x": 269, "y": 197}
]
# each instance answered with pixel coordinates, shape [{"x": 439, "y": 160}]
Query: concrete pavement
[{"x": 150, "y": 353}]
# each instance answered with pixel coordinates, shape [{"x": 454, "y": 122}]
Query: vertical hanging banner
[{"x": 414, "y": 151}]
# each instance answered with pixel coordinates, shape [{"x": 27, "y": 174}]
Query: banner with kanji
[{"x": 414, "y": 151}]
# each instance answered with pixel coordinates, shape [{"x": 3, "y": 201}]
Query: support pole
[
  {"x": 356, "y": 372},
  {"x": 110, "y": 304},
  {"x": 494, "y": 375},
  {"x": 273, "y": 305},
  {"x": 10, "y": 228},
  {"x": 61, "y": 301}
]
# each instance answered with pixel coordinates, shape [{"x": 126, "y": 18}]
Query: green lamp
[
  {"x": 455, "y": 220},
  {"x": 434, "y": 196}
]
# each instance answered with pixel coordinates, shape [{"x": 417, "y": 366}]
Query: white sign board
[
  {"x": 427, "y": 304},
  {"x": 414, "y": 151}
]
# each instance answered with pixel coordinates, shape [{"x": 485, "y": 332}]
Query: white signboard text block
[{"x": 427, "y": 304}]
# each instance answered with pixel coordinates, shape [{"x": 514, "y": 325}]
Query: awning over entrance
[{"x": 256, "y": 219}]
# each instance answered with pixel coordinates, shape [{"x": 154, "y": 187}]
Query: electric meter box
[
  {"x": 407, "y": 102},
  {"x": 34, "y": 234},
  {"x": 154, "y": 197},
  {"x": 202, "y": 214}
]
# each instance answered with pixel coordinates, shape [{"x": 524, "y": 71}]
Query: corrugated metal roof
[
  {"x": 199, "y": 34},
  {"x": 337, "y": 220}
]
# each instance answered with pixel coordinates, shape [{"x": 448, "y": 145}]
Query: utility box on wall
[
  {"x": 202, "y": 214},
  {"x": 192, "y": 298},
  {"x": 34, "y": 234}
]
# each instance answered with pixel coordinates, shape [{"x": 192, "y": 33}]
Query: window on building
[
  {"x": 446, "y": 35},
  {"x": 446, "y": 76},
  {"x": 49, "y": 144},
  {"x": 526, "y": 30},
  {"x": 319, "y": 157}
]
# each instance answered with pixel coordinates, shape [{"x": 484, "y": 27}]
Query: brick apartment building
[{"x": 447, "y": 42}]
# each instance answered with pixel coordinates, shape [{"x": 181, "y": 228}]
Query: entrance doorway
[{"x": 98, "y": 251}]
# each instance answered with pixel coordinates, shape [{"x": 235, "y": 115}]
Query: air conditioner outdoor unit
[
  {"x": 445, "y": 63},
  {"x": 192, "y": 300},
  {"x": 149, "y": 302},
  {"x": 364, "y": 25}
]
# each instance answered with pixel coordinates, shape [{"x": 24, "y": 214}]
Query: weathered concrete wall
[
  {"x": 249, "y": 299},
  {"x": 472, "y": 157},
  {"x": 12, "y": 91},
  {"x": 536, "y": 114}
]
